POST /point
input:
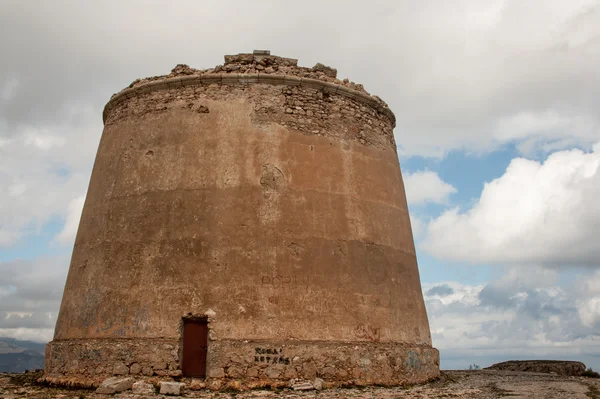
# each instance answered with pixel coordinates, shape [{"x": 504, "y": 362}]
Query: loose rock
[
  {"x": 115, "y": 384},
  {"x": 120, "y": 369},
  {"x": 302, "y": 386},
  {"x": 171, "y": 388},
  {"x": 143, "y": 388},
  {"x": 318, "y": 384}
]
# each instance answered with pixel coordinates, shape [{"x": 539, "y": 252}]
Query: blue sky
[{"x": 497, "y": 132}]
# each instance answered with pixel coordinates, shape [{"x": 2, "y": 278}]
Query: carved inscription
[
  {"x": 272, "y": 356},
  {"x": 285, "y": 281}
]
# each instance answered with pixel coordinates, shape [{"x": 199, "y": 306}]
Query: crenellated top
[{"x": 257, "y": 68}]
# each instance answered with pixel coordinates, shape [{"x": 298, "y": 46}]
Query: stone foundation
[{"x": 244, "y": 364}]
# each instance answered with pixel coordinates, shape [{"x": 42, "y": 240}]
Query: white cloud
[
  {"x": 470, "y": 75},
  {"x": 30, "y": 294},
  {"x": 44, "y": 142},
  {"x": 546, "y": 131},
  {"x": 535, "y": 213},
  {"x": 8, "y": 89},
  {"x": 28, "y": 334},
  {"x": 589, "y": 305},
  {"x": 523, "y": 314},
  {"x": 67, "y": 235},
  {"x": 417, "y": 225},
  {"x": 426, "y": 186},
  {"x": 7, "y": 237},
  {"x": 43, "y": 169},
  {"x": 457, "y": 71}
]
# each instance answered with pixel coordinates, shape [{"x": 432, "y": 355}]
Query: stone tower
[{"x": 247, "y": 224}]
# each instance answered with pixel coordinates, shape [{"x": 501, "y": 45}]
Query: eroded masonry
[{"x": 248, "y": 225}]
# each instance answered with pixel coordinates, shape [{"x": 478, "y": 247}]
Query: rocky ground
[{"x": 453, "y": 384}]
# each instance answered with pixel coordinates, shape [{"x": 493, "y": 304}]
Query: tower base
[{"x": 243, "y": 364}]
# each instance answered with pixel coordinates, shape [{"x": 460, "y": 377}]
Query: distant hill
[{"x": 17, "y": 356}]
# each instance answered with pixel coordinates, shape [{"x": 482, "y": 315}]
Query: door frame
[{"x": 190, "y": 318}]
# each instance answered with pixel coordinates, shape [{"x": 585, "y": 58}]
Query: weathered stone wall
[
  {"x": 89, "y": 361},
  {"x": 244, "y": 364},
  {"x": 251, "y": 66},
  {"x": 306, "y": 109},
  {"x": 274, "y": 205}
]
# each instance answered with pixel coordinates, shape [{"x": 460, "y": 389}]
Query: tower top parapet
[{"x": 257, "y": 67}]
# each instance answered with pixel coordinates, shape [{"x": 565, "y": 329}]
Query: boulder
[
  {"x": 115, "y": 384},
  {"x": 559, "y": 367},
  {"x": 171, "y": 388},
  {"x": 143, "y": 388},
  {"x": 120, "y": 369},
  {"x": 318, "y": 384}
]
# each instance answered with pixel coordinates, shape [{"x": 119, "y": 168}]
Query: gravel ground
[{"x": 453, "y": 384}]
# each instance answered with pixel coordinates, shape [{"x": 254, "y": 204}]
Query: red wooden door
[{"x": 195, "y": 341}]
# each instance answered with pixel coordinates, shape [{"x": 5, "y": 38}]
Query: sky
[{"x": 498, "y": 132}]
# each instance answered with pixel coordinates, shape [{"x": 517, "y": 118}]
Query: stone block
[
  {"x": 318, "y": 384},
  {"x": 171, "y": 388},
  {"x": 328, "y": 372},
  {"x": 159, "y": 366},
  {"x": 273, "y": 373},
  {"x": 190, "y": 80},
  {"x": 309, "y": 370},
  {"x": 135, "y": 368},
  {"x": 210, "y": 78},
  {"x": 230, "y": 78},
  {"x": 158, "y": 85},
  {"x": 330, "y": 87},
  {"x": 115, "y": 384},
  {"x": 302, "y": 386},
  {"x": 120, "y": 369},
  {"x": 292, "y": 80},
  {"x": 174, "y": 82},
  {"x": 287, "y": 61},
  {"x": 235, "y": 372},
  {"x": 216, "y": 372},
  {"x": 311, "y": 84},
  {"x": 289, "y": 373},
  {"x": 249, "y": 78},
  {"x": 352, "y": 94},
  {"x": 143, "y": 388},
  {"x": 197, "y": 384},
  {"x": 234, "y": 385},
  {"x": 271, "y": 79}
]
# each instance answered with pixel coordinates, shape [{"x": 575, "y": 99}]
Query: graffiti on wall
[
  {"x": 413, "y": 360},
  {"x": 285, "y": 281},
  {"x": 368, "y": 332},
  {"x": 269, "y": 355}
]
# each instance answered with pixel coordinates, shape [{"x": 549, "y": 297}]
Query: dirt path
[{"x": 482, "y": 384}]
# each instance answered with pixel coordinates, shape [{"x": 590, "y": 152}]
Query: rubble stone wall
[
  {"x": 244, "y": 364},
  {"x": 307, "y": 105}
]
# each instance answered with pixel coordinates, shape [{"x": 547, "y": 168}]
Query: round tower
[{"x": 246, "y": 224}]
